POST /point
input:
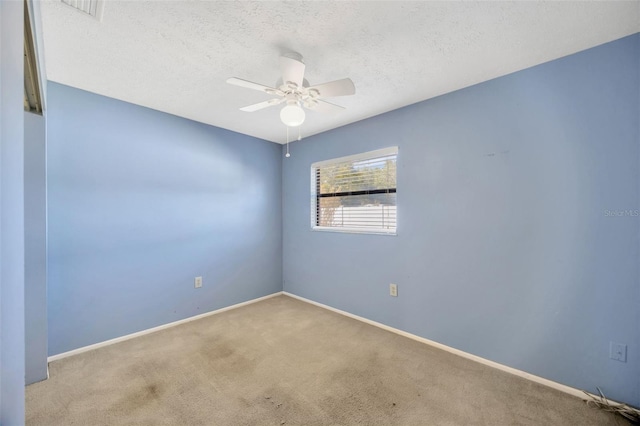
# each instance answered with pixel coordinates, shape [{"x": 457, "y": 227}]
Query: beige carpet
[{"x": 285, "y": 362}]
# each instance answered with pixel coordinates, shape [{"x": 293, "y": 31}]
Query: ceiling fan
[{"x": 294, "y": 90}]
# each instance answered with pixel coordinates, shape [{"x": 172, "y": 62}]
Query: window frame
[{"x": 316, "y": 196}]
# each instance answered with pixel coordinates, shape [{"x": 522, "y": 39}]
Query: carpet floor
[{"x": 286, "y": 362}]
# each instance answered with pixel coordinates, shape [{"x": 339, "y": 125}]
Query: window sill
[{"x": 354, "y": 230}]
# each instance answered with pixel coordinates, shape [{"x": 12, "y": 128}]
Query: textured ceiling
[{"x": 175, "y": 56}]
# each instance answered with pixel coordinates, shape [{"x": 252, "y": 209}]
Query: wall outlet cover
[
  {"x": 393, "y": 290},
  {"x": 618, "y": 351},
  {"x": 198, "y": 282}
]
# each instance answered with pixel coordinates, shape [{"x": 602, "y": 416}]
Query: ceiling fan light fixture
[
  {"x": 292, "y": 115},
  {"x": 296, "y": 91}
]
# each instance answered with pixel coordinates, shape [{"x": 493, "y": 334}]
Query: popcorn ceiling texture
[{"x": 175, "y": 56}]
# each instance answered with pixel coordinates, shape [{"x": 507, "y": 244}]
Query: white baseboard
[
  {"x": 154, "y": 329},
  {"x": 537, "y": 379}
]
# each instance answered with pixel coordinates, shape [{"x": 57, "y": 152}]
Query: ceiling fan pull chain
[{"x": 287, "y": 154}]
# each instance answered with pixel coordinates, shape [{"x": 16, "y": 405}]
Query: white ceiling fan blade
[
  {"x": 342, "y": 87},
  {"x": 261, "y": 105},
  {"x": 324, "y": 106},
  {"x": 292, "y": 70},
  {"x": 251, "y": 85}
]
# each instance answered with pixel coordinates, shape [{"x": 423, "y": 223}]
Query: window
[{"x": 355, "y": 193}]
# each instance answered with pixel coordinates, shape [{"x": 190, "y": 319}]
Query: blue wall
[
  {"x": 504, "y": 246},
  {"x": 35, "y": 247},
  {"x": 12, "y": 334},
  {"x": 141, "y": 202}
]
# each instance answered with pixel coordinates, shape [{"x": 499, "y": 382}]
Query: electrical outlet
[
  {"x": 618, "y": 351},
  {"x": 198, "y": 282},
  {"x": 393, "y": 290}
]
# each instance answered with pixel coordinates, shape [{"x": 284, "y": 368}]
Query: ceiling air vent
[{"x": 90, "y": 7}]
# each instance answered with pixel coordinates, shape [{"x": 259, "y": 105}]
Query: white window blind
[{"x": 355, "y": 193}]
